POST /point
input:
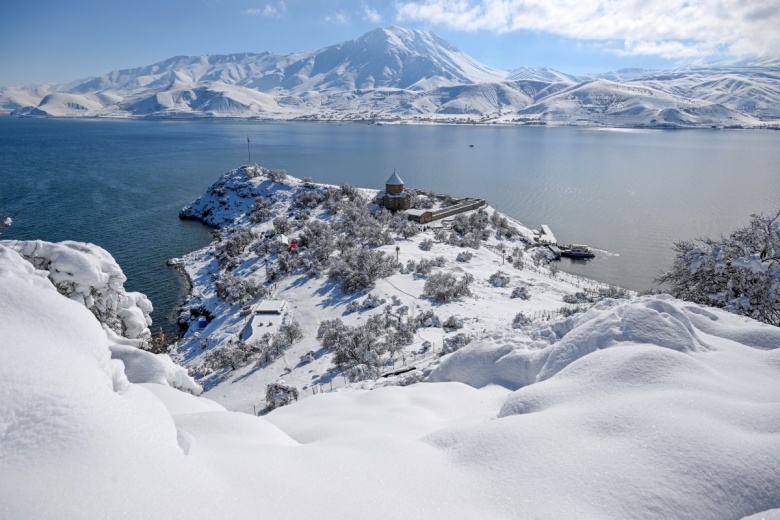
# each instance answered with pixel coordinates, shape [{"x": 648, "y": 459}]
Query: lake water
[{"x": 630, "y": 194}]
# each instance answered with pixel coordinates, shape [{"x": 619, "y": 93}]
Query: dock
[{"x": 546, "y": 235}]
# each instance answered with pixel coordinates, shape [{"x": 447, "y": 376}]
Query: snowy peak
[
  {"x": 397, "y": 58},
  {"x": 396, "y": 74}
]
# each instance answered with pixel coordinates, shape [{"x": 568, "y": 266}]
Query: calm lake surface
[{"x": 630, "y": 194}]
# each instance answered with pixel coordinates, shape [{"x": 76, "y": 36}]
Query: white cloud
[
  {"x": 669, "y": 28},
  {"x": 268, "y": 10},
  {"x": 371, "y": 15},
  {"x": 339, "y": 17}
]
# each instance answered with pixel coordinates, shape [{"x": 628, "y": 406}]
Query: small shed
[
  {"x": 270, "y": 307},
  {"x": 423, "y": 216}
]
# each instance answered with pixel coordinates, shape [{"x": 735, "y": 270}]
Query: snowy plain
[{"x": 647, "y": 407}]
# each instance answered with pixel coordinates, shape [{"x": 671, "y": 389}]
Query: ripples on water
[{"x": 120, "y": 184}]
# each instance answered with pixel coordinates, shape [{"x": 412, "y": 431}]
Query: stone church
[{"x": 394, "y": 197}]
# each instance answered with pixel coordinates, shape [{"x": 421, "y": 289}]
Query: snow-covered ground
[
  {"x": 307, "y": 365},
  {"x": 641, "y": 408}
]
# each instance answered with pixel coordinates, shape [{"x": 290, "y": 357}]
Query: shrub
[
  {"x": 233, "y": 289},
  {"x": 520, "y": 292},
  {"x": 739, "y": 273},
  {"x": 308, "y": 199},
  {"x": 445, "y": 286},
  {"x": 520, "y": 320},
  {"x": 357, "y": 270},
  {"x": 279, "y": 394},
  {"x": 453, "y": 322},
  {"x": 371, "y": 302},
  {"x": 423, "y": 267},
  {"x": 290, "y": 332},
  {"x": 454, "y": 343},
  {"x": 499, "y": 279},
  {"x": 426, "y": 245},
  {"x": 261, "y": 210},
  {"x": 577, "y": 298},
  {"x": 281, "y": 225},
  {"x": 427, "y": 319},
  {"x": 277, "y": 175}
]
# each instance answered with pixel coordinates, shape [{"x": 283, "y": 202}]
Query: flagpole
[{"x": 249, "y": 154}]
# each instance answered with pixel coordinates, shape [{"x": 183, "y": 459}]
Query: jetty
[{"x": 546, "y": 236}]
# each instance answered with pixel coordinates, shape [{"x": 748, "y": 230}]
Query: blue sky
[{"x": 64, "y": 40}]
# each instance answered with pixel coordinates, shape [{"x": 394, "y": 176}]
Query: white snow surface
[
  {"x": 656, "y": 408},
  {"x": 88, "y": 274}
]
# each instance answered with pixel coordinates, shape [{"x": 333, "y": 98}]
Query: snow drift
[
  {"x": 88, "y": 274},
  {"x": 651, "y": 408}
]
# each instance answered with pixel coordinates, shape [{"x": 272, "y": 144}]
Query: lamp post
[{"x": 397, "y": 252}]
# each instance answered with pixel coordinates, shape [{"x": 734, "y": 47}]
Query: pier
[{"x": 546, "y": 235}]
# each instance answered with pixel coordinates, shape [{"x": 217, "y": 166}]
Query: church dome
[{"x": 394, "y": 180}]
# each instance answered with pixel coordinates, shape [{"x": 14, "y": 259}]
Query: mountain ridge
[{"x": 397, "y": 74}]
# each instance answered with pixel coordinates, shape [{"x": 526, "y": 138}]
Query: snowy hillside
[
  {"x": 397, "y": 74},
  {"x": 259, "y": 212},
  {"x": 750, "y": 90},
  {"x": 604, "y": 102},
  {"x": 643, "y": 408}
]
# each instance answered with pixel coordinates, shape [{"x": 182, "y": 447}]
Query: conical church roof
[{"x": 394, "y": 180}]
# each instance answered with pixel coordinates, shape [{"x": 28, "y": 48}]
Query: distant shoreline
[{"x": 774, "y": 125}]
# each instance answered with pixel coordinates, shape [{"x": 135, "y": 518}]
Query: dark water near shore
[{"x": 631, "y": 194}]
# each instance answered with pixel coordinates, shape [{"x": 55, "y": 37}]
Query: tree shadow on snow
[{"x": 330, "y": 295}]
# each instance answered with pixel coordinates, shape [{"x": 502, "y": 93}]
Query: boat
[{"x": 577, "y": 251}]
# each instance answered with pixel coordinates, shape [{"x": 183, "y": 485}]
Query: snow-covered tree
[
  {"x": 445, "y": 286},
  {"x": 360, "y": 268},
  {"x": 520, "y": 292},
  {"x": 455, "y": 342},
  {"x": 739, "y": 273},
  {"x": 499, "y": 279},
  {"x": 290, "y": 332},
  {"x": 277, "y": 175},
  {"x": 281, "y": 225},
  {"x": 520, "y": 320},
  {"x": 426, "y": 245},
  {"x": 236, "y": 289},
  {"x": 279, "y": 394},
  {"x": 262, "y": 209}
]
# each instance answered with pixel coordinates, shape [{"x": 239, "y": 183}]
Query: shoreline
[{"x": 770, "y": 125}]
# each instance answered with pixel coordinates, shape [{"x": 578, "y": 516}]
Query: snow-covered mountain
[{"x": 402, "y": 74}]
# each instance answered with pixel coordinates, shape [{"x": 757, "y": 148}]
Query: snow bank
[
  {"x": 77, "y": 440},
  {"x": 89, "y": 275},
  {"x": 144, "y": 367},
  {"x": 65, "y": 405},
  {"x": 519, "y": 360},
  {"x": 651, "y": 399},
  {"x": 689, "y": 427}
]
